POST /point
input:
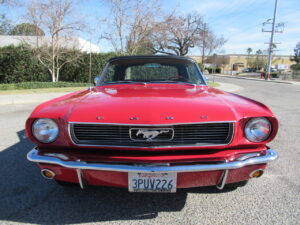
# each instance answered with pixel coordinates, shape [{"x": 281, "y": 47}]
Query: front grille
[{"x": 183, "y": 135}]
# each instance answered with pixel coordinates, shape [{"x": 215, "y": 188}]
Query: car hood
[{"x": 161, "y": 104}]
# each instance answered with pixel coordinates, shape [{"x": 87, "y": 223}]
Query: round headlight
[
  {"x": 45, "y": 130},
  {"x": 258, "y": 129}
]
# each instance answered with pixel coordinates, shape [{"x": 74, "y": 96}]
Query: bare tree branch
[
  {"x": 55, "y": 18},
  {"x": 177, "y": 34},
  {"x": 130, "y": 24}
]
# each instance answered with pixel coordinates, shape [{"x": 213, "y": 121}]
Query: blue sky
[{"x": 239, "y": 21}]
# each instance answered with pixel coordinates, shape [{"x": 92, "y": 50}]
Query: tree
[
  {"x": 296, "y": 57},
  {"x": 117, "y": 23},
  {"x": 209, "y": 42},
  {"x": 141, "y": 27},
  {"x": 55, "y": 18},
  {"x": 27, "y": 29},
  {"x": 5, "y": 25},
  {"x": 258, "y": 61},
  {"x": 176, "y": 35},
  {"x": 249, "y": 50},
  {"x": 9, "y": 2},
  {"x": 129, "y": 24}
]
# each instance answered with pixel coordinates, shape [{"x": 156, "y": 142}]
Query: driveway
[{"x": 272, "y": 199}]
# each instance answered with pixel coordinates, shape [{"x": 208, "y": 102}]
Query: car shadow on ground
[{"x": 27, "y": 197}]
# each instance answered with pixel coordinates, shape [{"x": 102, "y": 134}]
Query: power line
[{"x": 232, "y": 14}]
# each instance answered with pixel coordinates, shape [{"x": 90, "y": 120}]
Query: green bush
[
  {"x": 295, "y": 67},
  {"x": 274, "y": 74},
  {"x": 35, "y": 85},
  {"x": 80, "y": 72},
  {"x": 17, "y": 64},
  {"x": 211, "y": 70}
]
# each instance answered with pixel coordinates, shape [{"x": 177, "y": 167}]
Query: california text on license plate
[{"x": 152, "y": 182}]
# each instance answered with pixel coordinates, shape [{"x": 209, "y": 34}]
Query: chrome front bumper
[{"x": 245, "y": 160}]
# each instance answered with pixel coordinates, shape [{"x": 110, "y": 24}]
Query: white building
[{"x": 34, "y": 41}]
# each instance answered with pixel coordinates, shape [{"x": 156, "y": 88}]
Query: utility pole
[
  {"x": 271, "y": 44},
  {"x": 204, "y": 34},
  {"x": 90, "y": 63}
]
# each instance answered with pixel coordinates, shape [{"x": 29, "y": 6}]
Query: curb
[{"x": 255, "y": 79}]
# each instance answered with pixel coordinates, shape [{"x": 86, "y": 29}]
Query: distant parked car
[
  {"x": 273, "y": 70},
  {"x": 152, "y": 124},
  {"x": 249, "y": 70}
]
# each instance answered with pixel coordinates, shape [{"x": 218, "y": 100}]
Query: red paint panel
[{"x": 151, "y": 104}]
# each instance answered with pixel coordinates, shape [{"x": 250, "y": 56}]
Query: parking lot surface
[{"x": 272, "y": 199}]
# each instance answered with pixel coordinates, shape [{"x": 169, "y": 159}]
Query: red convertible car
[{"x": 152, "y": 124}]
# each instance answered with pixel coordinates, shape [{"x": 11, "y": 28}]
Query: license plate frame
[{"x": 152, "y": 182}]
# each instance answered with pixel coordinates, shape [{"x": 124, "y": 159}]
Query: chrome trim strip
[
  {"x": 33, "y": 156},
  {"x": 220, "y": 185},
  {"x": 79, "y": 175},
  {"x": 150, "y": 125}
]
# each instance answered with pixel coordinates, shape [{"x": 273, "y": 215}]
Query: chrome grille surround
[{"x": 122, "y": 140}]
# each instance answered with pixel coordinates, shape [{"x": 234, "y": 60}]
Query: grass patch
[
  {"x": 41, "y": 90},
  {"x": 213, "y": 84},
  {"x": 40, "y": 85}
]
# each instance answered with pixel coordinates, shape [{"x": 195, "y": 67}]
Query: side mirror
[
  {"x": 206, "y": 78},
  {"x": 97, "y": 80}
]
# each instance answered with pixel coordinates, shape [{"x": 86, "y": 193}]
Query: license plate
[{"x": 152, "y": 182}]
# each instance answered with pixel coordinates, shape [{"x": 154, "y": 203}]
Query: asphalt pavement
[{"x": 25, "y": 197}]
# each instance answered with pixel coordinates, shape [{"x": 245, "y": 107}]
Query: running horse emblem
[{"x": 149, "y": 134}]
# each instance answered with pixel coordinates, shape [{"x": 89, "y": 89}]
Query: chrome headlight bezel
[
  {"x": 258, "y": 129},
  {"x": 45, "y": 130}
]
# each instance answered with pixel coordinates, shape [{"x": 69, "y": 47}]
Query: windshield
[{"x": 152, "y": 71}]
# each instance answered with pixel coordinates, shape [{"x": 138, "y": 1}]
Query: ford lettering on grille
[{"x": 151, "y": 134}]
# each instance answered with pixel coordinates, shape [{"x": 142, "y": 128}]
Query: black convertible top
[{"x": 145, "y": 57}]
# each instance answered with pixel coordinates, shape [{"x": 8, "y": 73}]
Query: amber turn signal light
[
  {"x": 257, "y": 173},
  {"x": 48, "y": 174}
]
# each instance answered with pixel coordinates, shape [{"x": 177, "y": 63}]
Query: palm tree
[
  {"x": 259, "y": 61},
  {"x": 259, "y": 52},
  {"x": 249, "y": 50}
]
